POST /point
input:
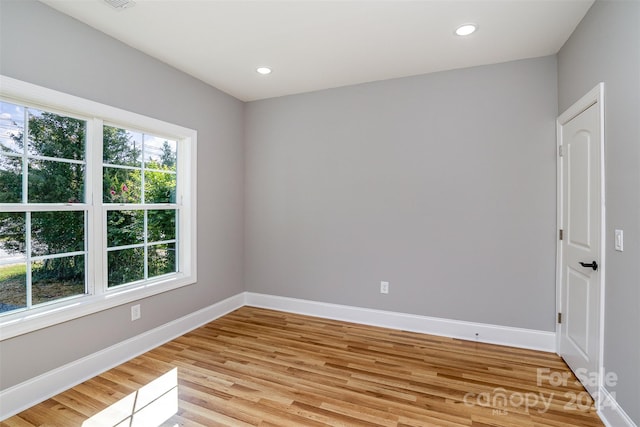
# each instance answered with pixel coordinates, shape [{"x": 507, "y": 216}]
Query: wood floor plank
[{"x": 258, "y": 367}]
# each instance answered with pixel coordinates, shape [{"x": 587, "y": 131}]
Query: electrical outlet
[
  {"x": 135, "y": 312},
  {"x": 384, "y": 287}
]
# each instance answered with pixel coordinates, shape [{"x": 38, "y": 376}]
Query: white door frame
[{"x": 594, "y": 96}]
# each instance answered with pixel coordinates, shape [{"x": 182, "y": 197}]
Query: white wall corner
[
  {"x": 493, "y": 334},
  {"x": 31, "y": 392},
  {"x": 610, "y": 412}
]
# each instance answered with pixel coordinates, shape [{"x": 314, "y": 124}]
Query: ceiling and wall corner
[{"x": 314, "y": 45}]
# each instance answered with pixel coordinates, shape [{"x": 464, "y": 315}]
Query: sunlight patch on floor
[{"x": 151, "y": 405}]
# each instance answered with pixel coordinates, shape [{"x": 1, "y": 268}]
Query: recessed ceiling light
[
  {"x": 121, "y": 4},
  {"x": 466, "y": 29},
  {"x": 263, "y": 70}
]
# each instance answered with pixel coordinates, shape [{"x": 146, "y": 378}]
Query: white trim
[
  {"x": 594, "y": 96},
  {"x": 68, "y": 309},
  {"x": 31, "y": 392},
  {"x": 611, "y": 413},
  {"x": 494, "y": 334},
  {"x": 99, "y": 297},
  {"x": 35, "y": 390},
  {"x": 23, "y": 92}
]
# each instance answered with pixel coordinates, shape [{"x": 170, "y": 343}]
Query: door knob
[{"x": 593, "y": 265}]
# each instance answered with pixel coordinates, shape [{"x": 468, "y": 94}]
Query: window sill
[{"x": 13, "y": 325}]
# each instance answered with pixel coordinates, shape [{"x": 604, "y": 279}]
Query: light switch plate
[{"x": 619, "y": 240}]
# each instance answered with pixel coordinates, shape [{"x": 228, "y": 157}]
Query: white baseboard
[
  {"x": 610, "y": 411},
  {"x": 503, "y": 335},
  {"x": 31, "y": 392},
  {"x": 611, "y": 414}
]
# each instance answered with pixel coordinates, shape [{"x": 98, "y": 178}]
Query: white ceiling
[{"x": 313, "y": 45}]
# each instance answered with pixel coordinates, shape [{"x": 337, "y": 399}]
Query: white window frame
[{"x": 99, "y": 297}]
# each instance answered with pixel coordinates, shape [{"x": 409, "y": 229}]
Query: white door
[{"x": 581, "y": 248}]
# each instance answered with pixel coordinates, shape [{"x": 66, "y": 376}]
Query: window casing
[{"x": 126, "y": 222}]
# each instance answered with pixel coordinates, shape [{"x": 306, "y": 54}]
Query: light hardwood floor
[{"x": 257, "y": 367}]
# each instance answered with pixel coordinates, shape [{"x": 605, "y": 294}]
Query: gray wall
[
  {"x": 442, "y": 184},
  {"x": 606, "y": 47},
  {"x": 42, "y": 46}
]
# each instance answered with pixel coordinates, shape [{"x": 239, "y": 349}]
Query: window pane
[
  {"x": 125, "y": 266},
  {"x": 10, "y": 179},
  {"x": 121, "y": 147},
  {"x": 52, "y": 135},
  {"x": 11, "y": 127},
  {"x": 125, "y": 228},
  {"x": 57, "y": 278},
  {"x": 162, "y": 259},
  {"x": 57, "y": 232},
  {"x": 55, "y": 182},
  {"x": 159, "y": 153},
  {"x": 12, "y": 236},
  {"x": 159, "y": 187},
  {"x": 161, "y": 225},
  {"x": 121, "y": 186},
  {"x": 13, "y": 287}
]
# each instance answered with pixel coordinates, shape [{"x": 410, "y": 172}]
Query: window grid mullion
[
  {"x": 178, "y": 242},
  {"x": 55, "y": 256},
  {"x": 88, "y": 200},
  {"x": 134, "y": 168},
  {"x": 142, "y": 174},
  {"x": 27, "y": 241},
  {"x": 140, "y": 207},
  {"x": 56, "y": 159},
  {"x": 145, "y": 249},
  {"x": 146, "y": 245},
  {"x": 97, "y": 282},
  {"x": 87, "y": 232},
  {"x": 25, "y": 158},
  {"x": 42, "y": 207},
  {"x": 123, "y": 247}
]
